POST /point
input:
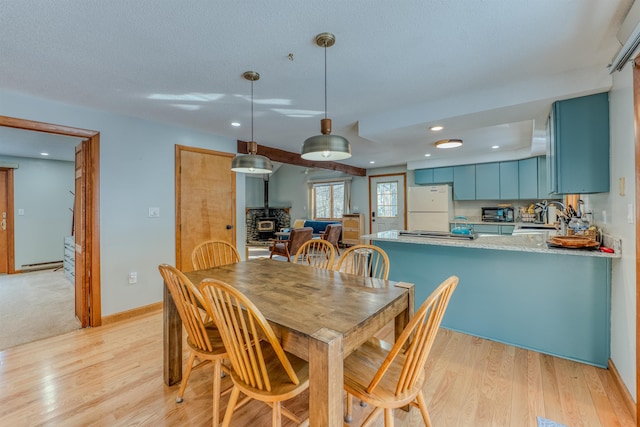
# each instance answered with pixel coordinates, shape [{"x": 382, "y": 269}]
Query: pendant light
[
  {"x": 326, "y": 146},
  {"x": 252, "y": 162}
]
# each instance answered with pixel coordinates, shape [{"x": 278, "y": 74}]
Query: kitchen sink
[{"x": 437, "y": 235}]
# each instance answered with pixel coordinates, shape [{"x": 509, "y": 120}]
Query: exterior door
[
  {"x": 205, "y": 200},
  {"x": 387, "y": 202}
]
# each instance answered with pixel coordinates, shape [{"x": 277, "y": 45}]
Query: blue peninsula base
[{"x": 550, "y": 303}]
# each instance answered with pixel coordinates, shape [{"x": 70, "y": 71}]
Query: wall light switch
[
  {"x": 133, "y": 277},
  {"x": 154, "y": 212},
  {"x": 20, "y": 212},
  {"x": 630, "y": 213}
]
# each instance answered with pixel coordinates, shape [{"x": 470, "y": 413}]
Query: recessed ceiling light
[
  {"x": 44, "y": 154},
  {"x": 427, "y": 155},
  {"x": 235, "y": 124},
  {"x": 448, "y": 143},
  {"x": 436, "y": 128},
  {"x": 372, "y": 162},
  {"x": 495, "y": 147}
]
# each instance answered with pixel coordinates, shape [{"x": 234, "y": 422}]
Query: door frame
[
  {"x": 11, "y": 258},
  {"x": 371, "y": 178},
  {"x": 91, "y": 245}
]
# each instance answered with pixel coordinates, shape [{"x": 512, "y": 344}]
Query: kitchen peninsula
[{"x": 513, "y": 289}]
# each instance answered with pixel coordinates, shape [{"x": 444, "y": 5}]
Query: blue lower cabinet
[{"x": 502, "y": 296}]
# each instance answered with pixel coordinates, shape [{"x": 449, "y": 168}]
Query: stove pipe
[{"x": 266, "y": 197}]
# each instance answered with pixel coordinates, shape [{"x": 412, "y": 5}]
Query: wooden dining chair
[
  {"x": 289, "y": 247},
  {"x": 318, "y": 253},
  {"x": 214, "y": 253},
  {"x": 364, "y": 260},
  {"x": 392, "y": 379},
  {"x": 262, "y": 370},
  {"x": 332, "y": 234},
  {"x": 203, "y": 338}
]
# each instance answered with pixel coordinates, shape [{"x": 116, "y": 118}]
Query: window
[
  {"x": 387, "y": 198},
  {"x": 328, "y": 200}
]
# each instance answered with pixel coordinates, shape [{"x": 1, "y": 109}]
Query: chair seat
[
  {"x": 217, "y": 347},
  {"x": 363, "y": 364},
  {"x": 281, "y": 386}
]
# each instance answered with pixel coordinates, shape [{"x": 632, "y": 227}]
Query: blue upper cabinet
[
  {"x": 509, "y": 180},
  {"x": 430, "y": 176},
  {"x": 528, "y": 178},
  {"x": 464, "y": 182},
  {"x": 579, "y": 145},
  {"x": 487, "y": 181}
]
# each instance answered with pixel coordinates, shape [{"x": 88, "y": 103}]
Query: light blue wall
[
  {"x": 42, "y": 191},
  {"x": 136, "y": 172}
]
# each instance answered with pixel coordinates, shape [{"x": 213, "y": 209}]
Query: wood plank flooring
[{"x": 112, "y": 376}]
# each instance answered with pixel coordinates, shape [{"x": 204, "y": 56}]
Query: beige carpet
[{"x": 34, "y": 306}]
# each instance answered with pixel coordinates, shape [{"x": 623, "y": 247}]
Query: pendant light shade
[
  {"x": 326, "y": 147},
  {"x": 251, "y": 163}
]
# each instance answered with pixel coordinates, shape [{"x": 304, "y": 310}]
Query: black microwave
[{"x": 497, "y": 214}]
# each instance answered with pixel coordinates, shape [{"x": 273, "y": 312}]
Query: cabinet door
[
  {"x": 507, "y": 229},
  {"x": 443, "y": 175},
  {"x": 528, "y": 178},
  {"x": 581, "y": 144},
  {"x": 488, "y": 181},
  {"x": 423, "y": 176},
  {"x": 486, "y": 228},
  {"x": 509, "y": 180},
  {"x": 464, "y": 182}
]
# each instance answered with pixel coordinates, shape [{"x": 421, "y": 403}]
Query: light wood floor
[{"x": 112, "y": 376}]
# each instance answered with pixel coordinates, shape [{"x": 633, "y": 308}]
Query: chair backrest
[
  {"x": 214, "y": 253},
  {"x": 297, "y": 237},
  {"x": 242, "y": 327},
  {"x": 420, "y": 333},
  {"x": 318, "y": 253},
  {"x": 364, "y": 260},
  {"x": 298, "y": 223},
  {"x": 187, "y": 298},
  {"x": 332, "y": 233}
]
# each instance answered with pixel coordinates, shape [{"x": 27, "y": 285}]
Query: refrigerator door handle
[{"x": 373, "y": 216}]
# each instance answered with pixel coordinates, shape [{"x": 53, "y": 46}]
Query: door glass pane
[
  {"x": 387, "y": 199},
  {"x": 322, "y": 201},
  {"x": 338, "y": 200}
]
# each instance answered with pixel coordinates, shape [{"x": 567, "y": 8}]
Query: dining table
[{"x": 319, "y": 315}]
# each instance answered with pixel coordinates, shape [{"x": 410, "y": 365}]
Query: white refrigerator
[{"x": 430, "y": 208}]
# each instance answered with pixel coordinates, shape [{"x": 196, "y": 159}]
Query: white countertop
[{"x": 535, "y": 242}]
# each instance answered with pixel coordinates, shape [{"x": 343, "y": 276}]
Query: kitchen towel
[{"x": 543, "y": 422}]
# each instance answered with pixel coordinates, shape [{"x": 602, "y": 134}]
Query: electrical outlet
[
  {"x": 133, "y": 277},
  {"x": 617, "y": 245},
  {"x": 154, "y": 212}
]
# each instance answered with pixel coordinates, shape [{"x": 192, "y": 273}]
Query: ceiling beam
[{"x": 277, "y": 155}]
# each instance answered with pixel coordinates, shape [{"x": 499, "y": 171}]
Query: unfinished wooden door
[{"x": 205, "y": 200}]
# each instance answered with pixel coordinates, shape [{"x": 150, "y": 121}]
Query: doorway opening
[{"x": 86, "y": 216}]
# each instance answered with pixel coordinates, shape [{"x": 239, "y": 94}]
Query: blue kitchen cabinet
[
  {"x": 423, "y": 176},
  {"x": 430, "y": 176},
  {"x": 443, "y": 175},
  {"x": 507, "y": 229},
  {"x": 579, "y": 145},
  {"x": 486, "y": 228},
  {"x": 464, "y": 182},
  {"x": 487, "y": 181},
  {"x": 528, "y": 178},
  {"x": 509, "y": 180}
]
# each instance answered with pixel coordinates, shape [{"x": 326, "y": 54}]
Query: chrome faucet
[{"x": 547, "y": 205}]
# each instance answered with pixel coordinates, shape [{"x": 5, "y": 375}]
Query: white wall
[
  {"x": 42, "y": 190},
  {"x": 623, "y": 287},
  {"x": 136, "y": 172}
]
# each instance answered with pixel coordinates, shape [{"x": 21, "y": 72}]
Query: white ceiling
[{"x": 486, "y": 70}]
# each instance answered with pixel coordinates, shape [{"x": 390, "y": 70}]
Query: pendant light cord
[
  {"x": 325, "y": 80},
  {"x": 251, "y": 110}
]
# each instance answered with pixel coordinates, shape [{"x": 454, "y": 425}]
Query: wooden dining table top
[{"x": 307, "y": 299}]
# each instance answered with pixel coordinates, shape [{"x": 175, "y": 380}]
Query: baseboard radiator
[{"x": 41, "y": 266}]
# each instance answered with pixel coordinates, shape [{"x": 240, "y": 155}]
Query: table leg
[
  {"x": 326, "y": 370},
  {"x": 172, "y": 340}
]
